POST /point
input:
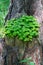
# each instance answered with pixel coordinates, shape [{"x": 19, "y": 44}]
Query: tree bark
[{"x": 16, "y": 9}]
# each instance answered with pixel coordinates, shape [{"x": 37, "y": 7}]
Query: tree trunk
[{"x": 17, "y": 9}]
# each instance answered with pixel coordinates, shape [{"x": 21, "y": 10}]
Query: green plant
[
  {"x": 25, "y": 28},
  {"x": 28, "y": 61},
  {"x": 4, "y": 4}
]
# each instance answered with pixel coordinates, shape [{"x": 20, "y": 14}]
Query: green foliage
[
  {"x": 1, "y": 26},
  {"x": 1, "y": 21},
  {"x": 4, "y": 4},
  {"x": 25, "y": 28},
  {"x": 2, "y": 34},
  {"x": 28, "y": 61},
  {"x": 25, "y": 60}
]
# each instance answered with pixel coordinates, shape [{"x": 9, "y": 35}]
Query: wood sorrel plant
[{"x": 25, "y": 28}]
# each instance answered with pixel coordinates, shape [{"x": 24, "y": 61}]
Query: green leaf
[
  {"x": 31, "y": 63},
  {"x": 26, "y": 60}
]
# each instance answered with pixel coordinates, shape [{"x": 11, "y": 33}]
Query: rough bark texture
[
  {"x": 1, "y": 52},
  {"x": 16, "y": 9},
  {"x": 21, "y": 51}
]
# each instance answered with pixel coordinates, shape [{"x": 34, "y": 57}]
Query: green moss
[{"x": 25, "y": 28}]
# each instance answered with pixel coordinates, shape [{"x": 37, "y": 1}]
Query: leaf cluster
[
  {"x": 25, "y": 28},
  {"x": 4, "y": 5},
  {"x": 28, "y": 61}
]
